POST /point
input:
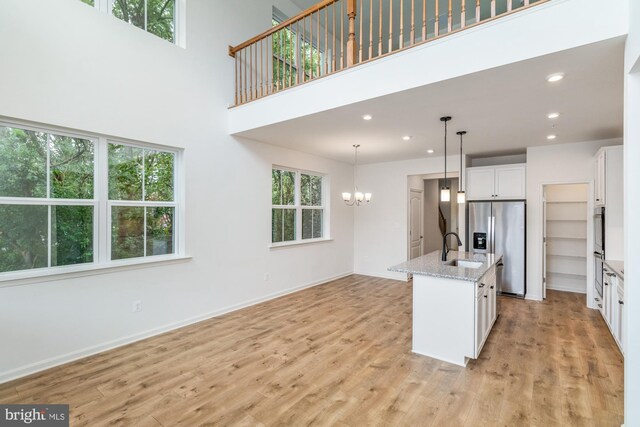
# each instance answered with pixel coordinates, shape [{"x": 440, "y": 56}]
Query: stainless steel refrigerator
[{"x": 499, "y": 227}]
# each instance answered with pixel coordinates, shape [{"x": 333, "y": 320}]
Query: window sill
[
  {"x": 299, "y": 243},
  {"x": 70, "y": 272}
]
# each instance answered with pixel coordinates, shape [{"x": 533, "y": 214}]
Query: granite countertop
[
  {"x": 432, "y": 265},
  {"x": 616, "y": 266}
]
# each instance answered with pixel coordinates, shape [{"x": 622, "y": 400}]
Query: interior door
[{"x": 415, "y": 224}]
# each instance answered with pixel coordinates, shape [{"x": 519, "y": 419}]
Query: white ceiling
[{"x": 503, "y": 109}]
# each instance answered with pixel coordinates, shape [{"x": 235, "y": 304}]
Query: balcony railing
[{"x": 337, "y": 34}]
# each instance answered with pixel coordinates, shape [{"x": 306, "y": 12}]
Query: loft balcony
[
  {"x": 335, "y": 35},
  {"x": 337, "y": 54}
]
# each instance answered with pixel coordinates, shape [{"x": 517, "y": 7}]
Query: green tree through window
[{"x": 290, "y": 51}]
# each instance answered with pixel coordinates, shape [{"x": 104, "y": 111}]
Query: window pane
[
  {"x": 305, "y": 190},
  {"x": 276, "y": 225},
  {"x": 71, "y": 235},
  {"x": 160, "y": 234},
  {"x": 283, "y": 225},
  {"x": 131, "y": 11},
  {"x": 158, "y": 176},
  {"x": 23, "y": 163},
  {"x": 276, "y": 183},
  {"x": 316, "y": 191},
  {"x": 318, "y": 214},
  {"x": 125, "y": 172},
  {"x": 311, "y": 190},
  {"x": 160, "y": 18},
  {"x": 71, "y": 168},
  {"x": 312, "y": 223},
  {"x": 127, "y": 232},
  {"x": 283, "y": 186},
  {"x": 23, "y": 237}
]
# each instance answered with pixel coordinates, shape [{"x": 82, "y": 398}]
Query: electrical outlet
[
  {"x": 266, "y": 277},
  {"x": 137, "y": 306}
]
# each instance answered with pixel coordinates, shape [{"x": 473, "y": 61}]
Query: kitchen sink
[{"x": 465, "y": 264}]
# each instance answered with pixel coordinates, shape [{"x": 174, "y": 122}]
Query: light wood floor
[{"x": 340, "y": 354}]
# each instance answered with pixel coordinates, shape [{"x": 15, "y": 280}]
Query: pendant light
[
  {"x": 358, "y": 197},
  {"x": 445, "y": 191},
  {"x": 461, "y": 196}
]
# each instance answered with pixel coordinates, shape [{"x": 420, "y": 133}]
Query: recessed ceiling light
[
  {"x": 553, "y": 115},
  {"x": 551, "y": 137},
  {"x": 406, "y": 138},
  {"x": 430, "y": 151},
  {"x": 555, "y": 77},
  {"x": 367, "y": 117}
]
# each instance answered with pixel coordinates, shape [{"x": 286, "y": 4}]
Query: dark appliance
[{"x": 598, "y": 248}]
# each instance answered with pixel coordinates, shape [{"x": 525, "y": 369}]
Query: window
[
  {"x": 298, "y": 205},
  {"x": 54, "y": 211},
  {"x": 46, "y": 199},
  {"x": 157, "y": 17},
  {"x": 141, "y": 201}
]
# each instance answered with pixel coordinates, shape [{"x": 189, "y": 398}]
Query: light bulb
[
  {"x": 346, "y": 196},
  {"x": 367, "y": 197},
  {"x": 461, "y": 197},
  {"x": 445, "y": 194},
  {"x": 359, "y": 196}
]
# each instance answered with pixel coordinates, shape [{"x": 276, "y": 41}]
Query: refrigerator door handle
[{"x": 493, "y": 237}]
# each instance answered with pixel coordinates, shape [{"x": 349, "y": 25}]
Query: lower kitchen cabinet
[
  {"x": 486, "y": 313},
  {"x": 612, "y": 309}
]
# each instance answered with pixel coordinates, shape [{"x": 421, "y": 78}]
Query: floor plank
[{"x": 340, "y": 354}]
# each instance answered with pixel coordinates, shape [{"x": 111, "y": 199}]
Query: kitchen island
[{"x": 454, "y": 303}]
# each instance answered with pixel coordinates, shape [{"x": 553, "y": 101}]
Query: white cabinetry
[
  {"x": 486, "y": 314},
  {"x": 452, "y": 318},
  {"x": 620, "y": 315},
  {"x": 613, "y": 306},
  {"x": 601, "y": 178},
  {"x": 496, "y": 182},
  {"x": 609, "y": 192}
]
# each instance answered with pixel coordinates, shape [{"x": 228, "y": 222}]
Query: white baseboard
[
  {"x": 529, "y": 297},
  {"x": 110, "y": 345},
  {"x": 566, "y": 289}
]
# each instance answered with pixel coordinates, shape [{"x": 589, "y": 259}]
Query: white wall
[
  {"x": 557, "y": 25},
  {"x": 72, "y": 66},
  {"x": 632, "y": 219},
  {"x": 555, "y": 164},
  {"x": 381, "y": 226}
]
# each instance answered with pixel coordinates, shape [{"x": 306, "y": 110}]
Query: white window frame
[
  {"x": 102, "y": 210},
  {"x": 144, "y": 203},
  {"x": 299, "y": 208},
  {"x": 179, "y": 18}
]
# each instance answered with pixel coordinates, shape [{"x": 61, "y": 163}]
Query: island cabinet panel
[{"x": 443, "y": 319}]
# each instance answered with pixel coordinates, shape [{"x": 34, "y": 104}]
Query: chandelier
[{"x": 357, "y": 197}]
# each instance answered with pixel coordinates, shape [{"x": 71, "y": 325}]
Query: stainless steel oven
[{"x": 598, "y": 248}]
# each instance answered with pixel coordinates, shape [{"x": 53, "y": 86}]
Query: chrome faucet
[{"x": 445, "y": 248}]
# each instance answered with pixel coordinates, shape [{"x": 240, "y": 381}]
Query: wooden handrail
[{"x": 283, "y": 25}]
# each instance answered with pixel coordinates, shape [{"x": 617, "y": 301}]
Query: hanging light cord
[
  {"x": 460, "y": 180},
  {"x": 445, "y": 153}
]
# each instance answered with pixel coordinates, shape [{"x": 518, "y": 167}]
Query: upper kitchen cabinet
[
  {"x": 601, "y": 177},
  {"x": 609, "y": 193},
  {"x": 496, "y": 182}
]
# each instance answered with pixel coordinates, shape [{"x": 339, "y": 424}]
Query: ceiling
[{"x": 503, "y": 109}]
